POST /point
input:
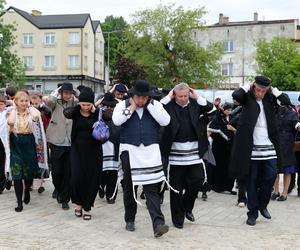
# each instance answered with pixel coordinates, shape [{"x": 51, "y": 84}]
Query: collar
[{"x": 184, "y": 105}]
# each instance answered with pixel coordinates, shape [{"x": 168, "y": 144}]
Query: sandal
[
  {"x": 87, "y": 216},
  {"x": 78, "y": 212}
]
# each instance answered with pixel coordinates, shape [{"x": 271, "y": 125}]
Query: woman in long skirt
[
  {"x": 86, "y": 154},
  {"x": 23, "y": 157}
]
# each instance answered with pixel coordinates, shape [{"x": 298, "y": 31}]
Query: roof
[
  {"x": 54, "y": 21},
  {"x": 244, "y": 23},
  {"x": 95, "y": 25}
]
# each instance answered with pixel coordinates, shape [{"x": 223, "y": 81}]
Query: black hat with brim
[
  {"x": 67, "y": 86},
  {"x": 120, "y": 87},
  {"x": 263, "y": 81},
  {"x": 86, "y": 95},
  {"x": 140, "y": 88},
  {"x": 109, "y": 100}
]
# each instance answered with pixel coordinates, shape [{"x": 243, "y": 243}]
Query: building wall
[
  {"x": 244, "y": 45},
  {"x": 61, "y": 50}
]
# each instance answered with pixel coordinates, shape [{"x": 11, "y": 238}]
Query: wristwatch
[{"x": 126, "y": 112}]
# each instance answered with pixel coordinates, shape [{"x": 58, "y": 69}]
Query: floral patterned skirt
[{"x": 23, "y": 158}]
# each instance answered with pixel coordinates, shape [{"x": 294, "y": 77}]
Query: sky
[{"x": 236, "y": 10}]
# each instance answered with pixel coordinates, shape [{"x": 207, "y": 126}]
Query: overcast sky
[{"x": 237, "y": 10}]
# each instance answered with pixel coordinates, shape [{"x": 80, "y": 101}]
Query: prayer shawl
[
  {"x": 5, "y": 139},
  {"x": 109, "y": 162}
]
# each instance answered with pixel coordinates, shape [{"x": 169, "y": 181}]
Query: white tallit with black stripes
[
  {"x": 145, "y": 163},
  {"x": 108, "y": 157},
  {"x": 263, "y": 148}
]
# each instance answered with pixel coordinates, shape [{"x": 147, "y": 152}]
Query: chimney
[
  {"x": 255, "y": 15},
  {"x": 220, "y": 18},
  {"x": 225, "y": 20},
  {"x": 36, "y": 13}
]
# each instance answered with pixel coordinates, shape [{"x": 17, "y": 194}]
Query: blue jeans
[{"x": 259, "y": 183}]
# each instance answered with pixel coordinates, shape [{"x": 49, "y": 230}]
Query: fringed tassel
[
  {"x": 134, "y": 196},
  {"x": 205, "y": 173}
]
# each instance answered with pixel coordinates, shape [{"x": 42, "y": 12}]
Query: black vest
[{"x": 136, "y": 131}]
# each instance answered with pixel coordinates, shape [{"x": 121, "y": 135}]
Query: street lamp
[{"x": 108, "y": 33}]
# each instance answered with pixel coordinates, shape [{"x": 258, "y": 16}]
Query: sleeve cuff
[
  {"x": 276, "y": 92},
  {"x": 165, "y": 100},
  {"x": 246, "y": 87},
  {"x": 297, "y": 125},
  {"x": 201, "y": 101}
]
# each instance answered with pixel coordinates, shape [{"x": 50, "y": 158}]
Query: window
[
  {"x": 96, "y": 67},
  {"x": 86, "y": 39},
  {"x": 73, "y": 61},
  {"x": 49, "y": 39},
  {"x": 28, "y": 62},
  {"x": 27, "y": 39},
  {"x": 228, "y": 46},
  {"x": 227, "y": 69},
  {"x": 49, "y": 62},
  {"x": 74, "y": 38},
  {"x": 86, "y": 63}
]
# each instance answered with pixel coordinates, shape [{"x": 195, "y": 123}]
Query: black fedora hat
[
  {"x": 67, "y": 86},
  {"x": 109, "y": 100},
  {"x": 141, "y": 88},
  {"x": 263, "y": 81}
]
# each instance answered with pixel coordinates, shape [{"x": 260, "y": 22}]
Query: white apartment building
[
  {"x": 58, "y": 48},
  {"x": 238, "y": 64}
]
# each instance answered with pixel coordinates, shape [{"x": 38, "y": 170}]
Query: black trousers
[
  {"x": 108, "y": 182},
  {"x": 2, "y": 167},
  {"x": 242, "y": 191},
  {"x": 61, "y": 171},
  {"x": 187, "y": 178},
  {"x": 151, "y": 193}
]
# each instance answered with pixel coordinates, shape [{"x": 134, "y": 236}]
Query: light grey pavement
[{"x": 219, "y": 225}]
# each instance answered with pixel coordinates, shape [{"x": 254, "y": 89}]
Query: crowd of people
[{"x": 160, "y": 140}]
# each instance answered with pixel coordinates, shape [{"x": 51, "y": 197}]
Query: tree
[
  {"x": 113, "y": 29},
  {"x": 161, "y": 40},
  {"x": 12, "y": 69},
  {"x": 127, "y": 71},
  {"x": 279, "y": 59}
]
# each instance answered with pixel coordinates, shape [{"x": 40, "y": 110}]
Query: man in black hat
[
  {"x": 59, "y": 137},
  {"x": 256, "y": 150},
  {"x": 140, "y": 119},
  {"x": 119, "y": 90}
]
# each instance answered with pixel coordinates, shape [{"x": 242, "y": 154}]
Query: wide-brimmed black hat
[
  {"x": 86, "y": 95},
  {"x": 263, "y": 81},
  {"x": 140, "y": 88},
  {"x": 109, "y": 100},
  {"x": 67, "y": 86}
]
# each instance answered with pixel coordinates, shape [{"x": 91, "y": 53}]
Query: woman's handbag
[
  {"x": 100, "y": 129},
  {"x": 296, "y": 147}
]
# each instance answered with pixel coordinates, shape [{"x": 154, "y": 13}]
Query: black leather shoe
[
  {"x": 160, "y": 230},
  {"x": 54, "y": 194},
  {"x": 251, "y": 221},
  {"x": 26, "y": 197},
  {"x": 190, "y": 216},
  {"x": 130, "y": 226},
  {"x": 101, "y": 193},
  {"x": 41, "y": 190},
  {"x": 8, "y": 184},
  {"x": 65, "y": 205},
  {"x": 265, "y": 213},
  {"x": 179, "y": 226},
  {"x": 58, "y": 198}
]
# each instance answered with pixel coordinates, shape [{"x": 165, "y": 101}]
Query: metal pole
[{"x": 108, "y": 56}]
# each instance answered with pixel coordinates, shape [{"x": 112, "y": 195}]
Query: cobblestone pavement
[{"x": 219, "y": 225}]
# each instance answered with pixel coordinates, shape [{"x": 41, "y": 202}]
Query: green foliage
[
  {"x": 12, "y": 69},
  {"x": 128, "y": 71},
  {"x": 279, "y": 59},
  {"x": 113, "y": 28},
  {"x": 161, "y": 40}
]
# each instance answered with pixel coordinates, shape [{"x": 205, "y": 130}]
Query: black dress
[
  {"x": 86, "y": 158},
  {"x": 221, "y": 149}
]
